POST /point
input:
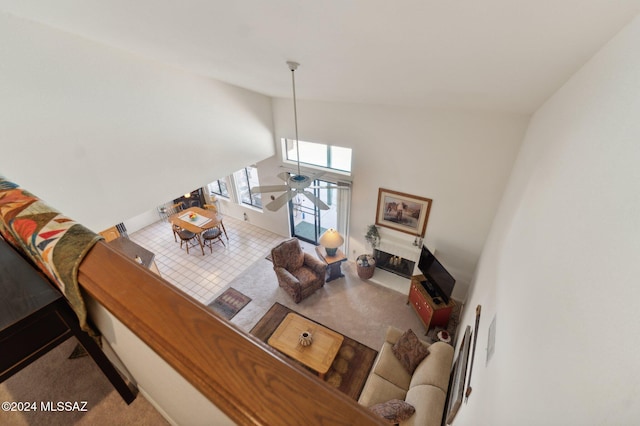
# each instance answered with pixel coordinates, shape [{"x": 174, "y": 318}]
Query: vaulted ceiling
[{"x": 504, "y": 55}]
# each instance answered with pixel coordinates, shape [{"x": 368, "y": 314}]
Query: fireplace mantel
[
  {"x": 391, "y": 281},
  {"x": 397, "y": 247},
  {"x": 400, "y": 248}
]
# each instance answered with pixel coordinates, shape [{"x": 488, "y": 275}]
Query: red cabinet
[{"x": 430, "y": 313}]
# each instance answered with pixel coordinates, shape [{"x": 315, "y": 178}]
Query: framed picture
[
  {"x": 403, "y": 212},
  {"x": 458, "y": 377}
]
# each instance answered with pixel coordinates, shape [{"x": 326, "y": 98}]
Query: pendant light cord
[{"x": 295, "y": 112}]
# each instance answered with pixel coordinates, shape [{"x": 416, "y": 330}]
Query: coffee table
[{"x": 319, "y": 355}]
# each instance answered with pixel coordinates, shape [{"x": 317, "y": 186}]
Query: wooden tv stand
[{"x": 428, "y": 311}]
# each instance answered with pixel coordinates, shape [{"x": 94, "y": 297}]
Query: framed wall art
[
  {"x": 403, "y": 212},
  {"x": 458, "y": 377}
]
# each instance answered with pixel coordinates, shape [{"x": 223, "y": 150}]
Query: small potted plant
[
  {"x": 372, "y": 236},
  {"x": 366, "y": 263}
]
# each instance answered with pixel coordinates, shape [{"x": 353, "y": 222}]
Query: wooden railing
[{"x": 250, "y": 383}]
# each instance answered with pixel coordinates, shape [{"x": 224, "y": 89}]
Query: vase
[{"x": 305, "y": 338}]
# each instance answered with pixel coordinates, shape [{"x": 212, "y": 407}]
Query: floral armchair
[{"x": 299, "y": 273}]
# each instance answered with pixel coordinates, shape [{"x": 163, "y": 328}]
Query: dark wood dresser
[{"x": 35, "y": 318}]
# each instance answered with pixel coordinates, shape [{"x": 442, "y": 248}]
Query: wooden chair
[
  {"x": 175, "y": 229},
  {"x": 175, "y": 208},
  {"x": 214, "y": 209},
  {"x": 210, "y": 236},
  {"x": 211, "y": 207},
  {"x": 189, "y": 238}
]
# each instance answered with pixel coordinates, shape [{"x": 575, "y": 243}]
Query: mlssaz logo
[{"x": 63, "y": 406}]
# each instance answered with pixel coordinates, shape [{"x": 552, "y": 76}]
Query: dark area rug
[
  {"x": 349, "y": 370},
  {"x": 229, "y": 303}
]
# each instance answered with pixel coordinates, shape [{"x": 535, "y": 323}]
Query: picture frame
[
  {"x": 403, "y": 212},
  {"x": 458, "y": 377}
]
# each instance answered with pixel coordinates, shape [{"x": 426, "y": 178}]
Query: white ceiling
[{"x": 487, "y": 54}]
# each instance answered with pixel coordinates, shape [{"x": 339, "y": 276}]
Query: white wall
[
  {"x": 104, "y": 135},
  {"x": 560, "y": 268},
  {"x": 460, "y": 159},
  {"x": 170, "y": 393}
]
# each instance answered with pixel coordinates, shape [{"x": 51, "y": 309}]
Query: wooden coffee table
[{"x": 319, "y": 355}]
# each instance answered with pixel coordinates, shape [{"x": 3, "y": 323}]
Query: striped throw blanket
[{"x": 55, "y": 243}]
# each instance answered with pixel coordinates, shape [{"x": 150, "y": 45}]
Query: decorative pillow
[
  {"x": 393, "y": 411},
  {"x": 409, "y": 351}
]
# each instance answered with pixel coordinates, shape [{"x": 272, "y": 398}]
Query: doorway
[{"x": 308, "y": 222}]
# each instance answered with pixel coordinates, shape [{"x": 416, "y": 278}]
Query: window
[
  {"x": 245, "y": 179},
  {"x": 219, "y": 187},
  {"x": 318, "y": 154},
  {"x": 237, "y": 187}
]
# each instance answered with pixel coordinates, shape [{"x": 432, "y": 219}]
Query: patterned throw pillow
[
  {"x": 410, "y": 351},
  {"x": 393, "y": 411}
]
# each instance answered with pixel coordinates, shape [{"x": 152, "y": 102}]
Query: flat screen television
[{"x": 439, "y": 282}]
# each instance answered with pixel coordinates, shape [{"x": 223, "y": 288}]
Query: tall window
[
  {"x": 320, "y": 155},
  {"x": 219, "y": 187},
  {"x": 237, "y": 187},
  {"x": 245, "y": 179}
]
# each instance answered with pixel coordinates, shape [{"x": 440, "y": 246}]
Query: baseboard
[{"x": 158, "y": 408}]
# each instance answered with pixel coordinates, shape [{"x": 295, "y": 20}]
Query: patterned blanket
[{"x": 53, "y": 242}]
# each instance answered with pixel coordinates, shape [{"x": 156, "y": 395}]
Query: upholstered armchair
[{"x": 299, "y": 273}]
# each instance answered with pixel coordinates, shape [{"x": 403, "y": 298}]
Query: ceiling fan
[{"x": 295, "y": 184}]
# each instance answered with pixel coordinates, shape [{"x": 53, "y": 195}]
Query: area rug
[
  {"x": 351, "y": 367},
  {"x": 229, "y": 303}
]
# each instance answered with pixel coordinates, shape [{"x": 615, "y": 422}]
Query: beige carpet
[
  {"x": 351, "y": 306},
  {"x": 55, "y": 378}
]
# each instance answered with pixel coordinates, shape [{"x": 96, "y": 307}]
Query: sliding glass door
[{"x": 308, "y": 222}]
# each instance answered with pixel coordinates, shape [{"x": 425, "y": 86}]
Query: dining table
[{"x": 196, "y": 220}]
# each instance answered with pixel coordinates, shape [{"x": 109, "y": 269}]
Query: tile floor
[{"x": 203, "y": 277}]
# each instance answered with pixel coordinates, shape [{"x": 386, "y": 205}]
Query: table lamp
[{"x": 331, "y": 240}]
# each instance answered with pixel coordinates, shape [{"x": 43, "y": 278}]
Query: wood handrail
[{"x": 250, "y": 382}]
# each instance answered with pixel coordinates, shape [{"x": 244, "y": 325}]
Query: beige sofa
[{"x": 426, "y": 390}]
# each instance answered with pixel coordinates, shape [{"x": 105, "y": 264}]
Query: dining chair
[
  {"x": 175, "y": 208},
  {"x": 210, "y": 236},
  {"x": 188, "y": 238},
  {"x": 175, "y": 228},
  {"x": 211, "y": 207},
  {"x": 214, "y": 209}
]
